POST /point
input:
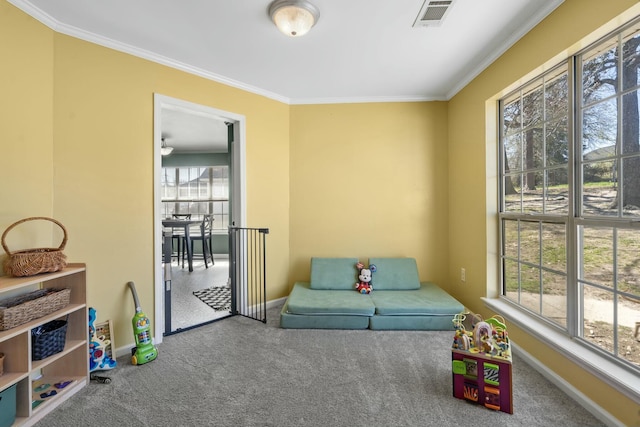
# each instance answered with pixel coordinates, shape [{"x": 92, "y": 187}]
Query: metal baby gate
[{"x": 248, "y": 272}]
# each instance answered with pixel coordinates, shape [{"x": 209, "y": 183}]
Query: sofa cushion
[
  {"x": 330, "y": 321},
  {"x": 334, "y": 273},
  {"x": 410, "y": 323},
  {"x": 395, "y": 274},
  {"x": 304, "y": 300},
  {"x": 428, "y": 300}
]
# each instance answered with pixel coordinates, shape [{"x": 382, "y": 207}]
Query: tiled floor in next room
[{"x": 186, "y": 309}]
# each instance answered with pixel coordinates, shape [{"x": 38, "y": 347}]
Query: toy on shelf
[
  {"x": 365, "y": 275},
  {"x": 481, "y": 361},
  {"x": 42, "y": 389},
  {"x": 99, "y": 357}
]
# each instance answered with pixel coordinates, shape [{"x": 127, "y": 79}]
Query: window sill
[{"x": 625, "y": 380}]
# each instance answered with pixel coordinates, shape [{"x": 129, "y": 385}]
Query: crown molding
[
  {"x": 500, "y": 49},
  {"x": 78, "y": 33},
  {"x": 364, "y": 100}
]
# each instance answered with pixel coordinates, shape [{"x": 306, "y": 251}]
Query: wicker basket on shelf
[
  {"x": 29, "y": 262},
  {"x": 18, "y": 310},
  {"x": 48, "y": 339}
]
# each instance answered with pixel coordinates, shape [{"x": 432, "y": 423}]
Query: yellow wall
[
  {"x": 26, "y": 127},
  {"x": 472, "y": 172},
  {"x": 78, "y": 145},
  {"x": 369, "y": 180}
]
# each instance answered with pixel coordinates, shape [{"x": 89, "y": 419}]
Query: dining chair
[
  {"x": 204, "y": 235},
  {"x": 178, "y": 237}
]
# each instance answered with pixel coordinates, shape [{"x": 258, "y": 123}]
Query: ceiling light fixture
[
  {"x": 164, "y": 150},
  {"x": 294, "y": 17}
]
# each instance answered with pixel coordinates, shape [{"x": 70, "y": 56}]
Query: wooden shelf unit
[{"x": 71, "y": 364}]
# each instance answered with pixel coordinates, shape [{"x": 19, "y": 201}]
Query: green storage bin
[{"x": 8, "y": 406}]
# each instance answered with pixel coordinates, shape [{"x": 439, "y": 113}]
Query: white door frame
[{"x": 238, "y": 198}]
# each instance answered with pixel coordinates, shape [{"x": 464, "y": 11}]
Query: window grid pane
[
  {"x": 535, "y": 181},
  {"x": 554, "y": 297},
  {"x": 611, "y": 293},
  {"x": 198, "y": 191}
]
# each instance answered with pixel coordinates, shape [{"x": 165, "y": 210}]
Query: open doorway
[{"x": 202, "y": 179}]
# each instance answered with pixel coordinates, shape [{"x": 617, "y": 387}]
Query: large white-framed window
[{"x": 569, "y": 199}]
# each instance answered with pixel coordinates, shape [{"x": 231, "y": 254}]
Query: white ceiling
[
  {"x": 359, "y": 51},
  {"x": 190, "y": 131}
]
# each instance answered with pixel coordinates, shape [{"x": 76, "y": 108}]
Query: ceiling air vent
[{"x": 433, "y": 12}]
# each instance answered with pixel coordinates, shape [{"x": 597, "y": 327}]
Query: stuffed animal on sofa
[{"x": 365, "y": 275}]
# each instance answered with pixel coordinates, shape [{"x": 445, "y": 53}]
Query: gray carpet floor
[{"x": 240, "y": 372}]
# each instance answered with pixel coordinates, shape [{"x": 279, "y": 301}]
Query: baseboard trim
[
  {"x": 593, "y": 408},
  {"x": 275, "y": 302}
]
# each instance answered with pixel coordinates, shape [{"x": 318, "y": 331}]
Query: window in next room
[{"x": 197, "y": 191}]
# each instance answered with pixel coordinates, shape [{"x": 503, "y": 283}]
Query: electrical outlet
[{"x": 463, "y": 275}]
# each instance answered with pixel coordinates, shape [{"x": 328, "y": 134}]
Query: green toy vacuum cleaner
[{"x": 144, "y": 350}]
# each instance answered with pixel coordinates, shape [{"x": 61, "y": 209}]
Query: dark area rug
[{"x": 217, "y": 297}]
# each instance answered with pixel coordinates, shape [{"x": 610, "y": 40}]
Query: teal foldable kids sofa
[{"x": 398, "y": 300}]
